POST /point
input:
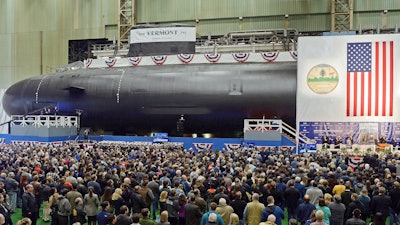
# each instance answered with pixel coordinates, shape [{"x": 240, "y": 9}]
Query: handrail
[{"x": 44, "y": 120}]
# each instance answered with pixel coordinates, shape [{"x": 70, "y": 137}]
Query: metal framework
[
  {"x": 44, "y": 121},
  {"x": 126, "y": 19},
  {"x": 341, "y": 15}
]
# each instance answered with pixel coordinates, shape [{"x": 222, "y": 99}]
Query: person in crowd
[
  {"x": 53, "y": 202},
  {"x": 381, "y": 203},
  {"x": 2, "y": 219},
  {"x": 234, "y": 219},
  {"x": 79, "y": 215},
  {"x": 163, "y": 218},
  {"x": 162, "y": 201},
  {"x": 112, "y": 219},
  {"x": 172, "y": 207},
  {"x": 29, "y": 206},
  {"x": 271, "y": 208},
  {"x": 355, "y": 219},
  {"x": 64, "y": 208},
  {"x": 117, "y": 201},
  {"x": 102, "y": 216},
  {"x": 5, "y": 211},
  {"x": 193, "y": 212},
  {"x": 212, "y": 219},
  {"x": 326, "y": 211},
  {"x": 355, "y": 204},
  {"x": 312, "y": 218},
  {"x": 319, "y": 218},
  {"x": 24, "y": 221},
  {"x": 238, "y": 205},
  {"x": 91, "y": 202},
  {"x": 378, "y": 219},
  {"x": 271, "y": 220},
  {"x": 72, "y": 196},
  {"x": 145, "y": 220},
  {"x": 155, "y": 188},
  {"x": 123, "y": 218},
  {"x": 224, "y": 210},
  {"x": 314, "y": 193},
  {"x": 205, "y": 216},
  {"x": 11, "y": 186},
  {"x": 253, "y": 211},
  {"x": 338, "y": 210},
  {"x": 107, "y": 197},
  {"x": 292, "y": 196},
  {"x": 135, "y": 219},
  {"x": 304, "y": 210}
]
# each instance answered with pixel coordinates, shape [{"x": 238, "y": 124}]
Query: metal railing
[{"x": 44, "y": 121}]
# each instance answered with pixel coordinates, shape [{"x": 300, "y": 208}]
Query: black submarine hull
[{"x": 213, "y": 98}]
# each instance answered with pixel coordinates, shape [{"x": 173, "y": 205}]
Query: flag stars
[{"x": 359, "y": 57}]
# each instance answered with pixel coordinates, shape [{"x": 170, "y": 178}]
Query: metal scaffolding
[
  {"x": 341, "y": 15},
  {"x": 126, "y": 20}
]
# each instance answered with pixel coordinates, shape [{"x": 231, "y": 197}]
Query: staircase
[{"x": 265, "y": 126}]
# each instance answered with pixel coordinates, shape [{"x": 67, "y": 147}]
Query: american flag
[{"x": 370, "y": 77}]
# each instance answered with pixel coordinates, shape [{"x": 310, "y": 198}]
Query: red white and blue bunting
[
  {"x": 270, "y": 56},
  {"x": 111, "y": 62},
  {"x": 241, "y": 57},
  {"x": 135, "y": 60},
  {"x": 213, "y": 58},
  {"x": 202, "y": 146},
  {"x": 88, "y": 62},
  {"x": 231, "y": 147},
  {"x": 293, "y": 54},
  {"x": 185, "y": 58},
  {"x": 159, "y": 60},
  {"x": 354, "y": 162}
]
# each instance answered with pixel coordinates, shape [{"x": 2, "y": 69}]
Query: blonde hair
[
  {"x": 117, "y": 194},
  {"x": 327, "y": 197},
  {"x": 24, "y": 221},
  {"x": 234, "y": 219},
  {"x": 163, "y": 196},
  {"x": 164, "y": 216}
]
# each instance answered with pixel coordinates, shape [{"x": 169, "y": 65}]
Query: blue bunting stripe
[
  {"x": 185, "y": 58},
  {"x": 159, "y": 60},
  {"x": 241, "y": 57},
  {"x": 293, "y": 54},
  {"x": 212, "y": 57},
  {"x": 270, "y": 56},
  {"x": 202, "y": 146},
  {"x": 88, "y": 62},
  {"x": 135, "y": 60},
  {"x": 230, "y": 147},
  {"x": 111, "y": 62}
]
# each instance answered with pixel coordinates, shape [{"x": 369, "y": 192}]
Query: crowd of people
[{"x": 121, "y": 183}]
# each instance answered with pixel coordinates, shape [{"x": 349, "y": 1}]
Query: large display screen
[{"x": 160, "y": 137}]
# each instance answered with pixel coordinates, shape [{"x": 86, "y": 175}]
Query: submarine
[
  {"x": 212, "y": 98},
  {"x": 200, "y": 94}
]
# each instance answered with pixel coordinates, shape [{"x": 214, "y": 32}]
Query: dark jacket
[
  {"x": 137, "y": 202},
  {"x": 29, "y": 206}
]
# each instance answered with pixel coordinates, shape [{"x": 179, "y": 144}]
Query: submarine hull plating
[{"x": 212, "y": 98}]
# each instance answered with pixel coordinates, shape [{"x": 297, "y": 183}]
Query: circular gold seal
[{"x": 322, "y": 79}]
